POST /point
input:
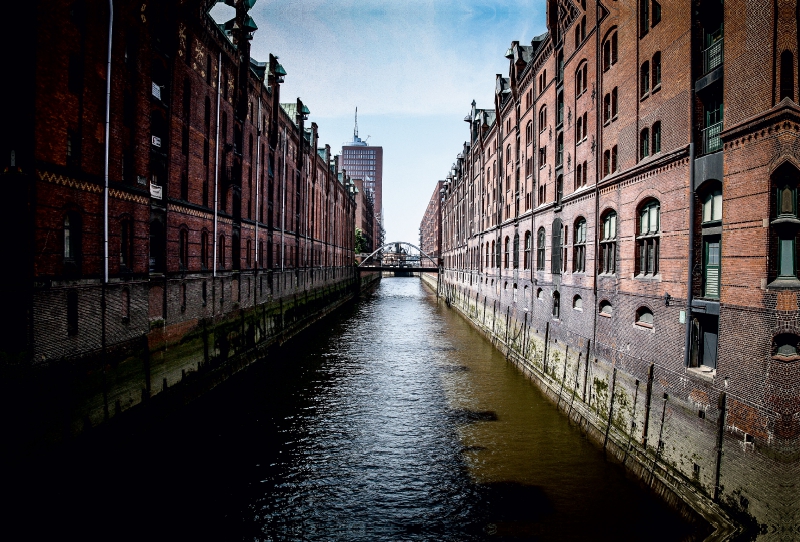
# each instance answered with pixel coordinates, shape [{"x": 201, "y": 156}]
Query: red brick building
[
  {"x": 628, "y": 205},
  {"x": 220, "y": 198},
  {"x": 430, "y": 231}
]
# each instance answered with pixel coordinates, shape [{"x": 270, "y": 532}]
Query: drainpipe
[
  {"x": 258, "y": 175},
  {"x": 690, "y": 279},
  {"x": 105, "y": 204},
  {"x": 598, "y": 165},
  {"x": 283, "y": 203},
  {"x": 216, "y": 162}
]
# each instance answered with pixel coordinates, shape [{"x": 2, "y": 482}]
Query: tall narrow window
[
  {"x": 644, "y": 17},
  {"x": 607, "y": 107},
  {"x": 560, "y": 108},
  {"x": 656, "y": 13},
  {"x": 644, "y": 144},
  {"x": 183, "y": 250},
  {"x": 542, "y": 118},
  {"x": 559, "y": 189},
  {"x": 614, "y": 48},
  {"x": 126, "y": 244},
  {"x": 555, "y": 249},
  {"x": 221, "y": 251},
  {"x": 614, "y": 103},
  {"x": 560, "y": 149},
  {"x": 647, "y": 240},
  {"x": 72, "y": 242},
  {"x": 606, "y": 163},
  {"x": 656, "y": 148},
  {"x": 785, "y": 225},
  {"x": 644, "y": 79},
  {"x": 787, "y": 75},
  {"x": 608, "y": 244},
  {"x": 204, "y": 249},
  {"x": 579, "y": 247},
  {"x": 527, "y": 262},
  {"x": 507, "y": 252},
  {"x": 656, "y": 67},
  {"x": 540, "y": 249},
  {"x": 556, "y": 305},
  {"x": 516, "y": 251}
]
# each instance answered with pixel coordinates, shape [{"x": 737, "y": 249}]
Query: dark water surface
[{"x": 391, "y": 420}]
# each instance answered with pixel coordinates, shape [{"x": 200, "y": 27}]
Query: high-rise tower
[{"x": 364, "y": 161}]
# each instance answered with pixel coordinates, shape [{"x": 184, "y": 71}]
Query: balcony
[
  {"x": 713, "y": 54},
  {"x": 711, "y": 140}
]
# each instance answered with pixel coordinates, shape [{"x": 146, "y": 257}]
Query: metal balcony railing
[
  {"x": 713, "y": 56},
  {"x": 711, "y": 140}
]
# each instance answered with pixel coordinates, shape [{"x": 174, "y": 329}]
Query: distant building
[
  {"x": 363, "y": 161},
  {"x": 365, "y": 214},
  {"x": 430, "y": 232}
]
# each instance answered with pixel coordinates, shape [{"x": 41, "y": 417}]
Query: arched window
[
  {"x": 507, "y": 251},
  {"x": 539, "y": 294},
  {"x": 608, "y": 244},
  {"x": 647, "y": 239},
  {"x": 516, "y": 251},
  {"x": 579, "y": 247},
  {"x": 488, "y": 262},
  {"x": 644, "y": 317},
  {"x": 605, "y": 308},
  {"x": 529, "y": 133},
  {"x": 577, "y": 303},
  {"x": 656, "y": 67},
  {"x": 555, "y": 248},
  {"x": 126, "y": 244},
  {"x": 787, "y": 75},
  {"x": 498, "y": 256},
  {"x": 556, "y": 305},
  {"x": 72, "y": 242},
  {"x": 542, "y": 118},
  {"x": 644, "y": 79},
  {"x": 656, "y": 136},
  {"x": 644, "y": 144},
  {"x": 540, "y": 246},
  {"x": 204, "y": 250},
  {"x": 784, "y": 226},
  {"x": 527, "y": 262},
  {"x": 785, "y": 347},
  {"x": 183, "y": 249},
  {"x": 491, "y": 263},
  {"x": 610, "y": 51}
]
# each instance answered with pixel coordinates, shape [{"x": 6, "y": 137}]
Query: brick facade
[
  {"x": 617, "y": 136},
  {"x": 430, "y": 231}
]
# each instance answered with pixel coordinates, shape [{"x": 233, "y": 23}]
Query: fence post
[
  {"x": 723, "y": 400},
  {"x": 648, "y": 397}
]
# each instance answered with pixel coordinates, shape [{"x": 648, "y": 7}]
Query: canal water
[{"x": 391, "y": 420}]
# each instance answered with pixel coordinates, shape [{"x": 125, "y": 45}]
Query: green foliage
[{"x": 361, "y": 241}]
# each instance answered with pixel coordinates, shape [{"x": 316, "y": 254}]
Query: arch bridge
[{"x": 400, "y": 257}]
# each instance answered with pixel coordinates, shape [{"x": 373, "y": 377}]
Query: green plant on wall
[{"x": 361, "y": 241}]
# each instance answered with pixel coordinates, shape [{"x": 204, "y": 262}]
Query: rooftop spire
[{"x": 355, "y": 130}]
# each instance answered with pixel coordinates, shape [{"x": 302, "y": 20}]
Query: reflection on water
[{"x": 393, "y": 420}]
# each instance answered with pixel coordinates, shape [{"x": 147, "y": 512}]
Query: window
[
  {"x": 784, "y": 225},
  {"x": 507, "y": 247},
  {"x": 656, "y": 136},
  {"x": 712, "y": 206},
  {"x": 183, "y": 250},
  {"x": 644, "y": 17},
  {"x": 221, "y": 251},
  {"x": 644, "y": 144},
  {"x": 787, "y": 75},
  {"x": 527, "y": 257},
  {"x": 644, "y": 317},
  {"x": 126, "y": 244},
  {"x": 577, "y": 303},
  {"x": 560, "y": 149},
  {"x": 488, "y": 262},
  {"x": 647, "y": 240},
  {"x": 542, "y": 156},
  {"x": 608, "y": 244},
  {"x": 555, "y": 250},
  {"x": 606, "y": 309},
  {"x": 542, "y": 81},
  {"x": 607, "y": 107},
  {"x": 539, "y": 294},
  {"x": 516, "y": 251},
  {"x": 73, "y": 154},
  {"x": 610, "y": 52},
  {"x": 560, "y": 109},
  {"x": 204, "y": 250},
  {"x": 72, "y": 242},
  {"x": 613, "y": 159},
  {"x": 542, "y": 118},
  {"x": 529, "y": 133},
  {"x": 579, "y": 129},
  {"x": 579, "y": 247},
  {"x": 72, "y": 312},
  {"x": 556, "y": 305},
  {"x": 540, "y": 246},
  {"x": 497, "y": 254},
  {"x": 785, "y": 347},
  {"x": 614, "y": 103},
  {"x": 656, "y": 13},
  {"x": 656, "y": 71},
  {"x": 644, "y": 79},
  {"x": 559, "y": 189},
  {"x": 606, "y": 163}
]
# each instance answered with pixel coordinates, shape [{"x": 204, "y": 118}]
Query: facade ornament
[
  {"x": 569, "y": 117},
  {"x": 594, "y": 92},
  {"x": 569, "y": 161},
  {"x": 550, "y": 133},
  {"x": 594, "y": 145}
]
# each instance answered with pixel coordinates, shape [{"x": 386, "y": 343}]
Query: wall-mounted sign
[
  {"x": 155, "y": 191},
  {"x": 156, "y": 141}
]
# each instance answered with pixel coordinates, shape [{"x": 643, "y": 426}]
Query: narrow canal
[{"x": 392, "y": 420}]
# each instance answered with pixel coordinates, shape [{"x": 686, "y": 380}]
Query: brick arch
[{"x": 782, "y": 160}]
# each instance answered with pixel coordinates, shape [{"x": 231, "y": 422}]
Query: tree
[{"x": 361, "y": 241}]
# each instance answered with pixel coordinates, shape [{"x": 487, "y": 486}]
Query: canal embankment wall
[
  {"x": 677, "y": 442},
  {"x": 172, "y": 359}
]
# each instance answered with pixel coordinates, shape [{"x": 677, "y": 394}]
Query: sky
[{"x": 411, "y": 67}]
